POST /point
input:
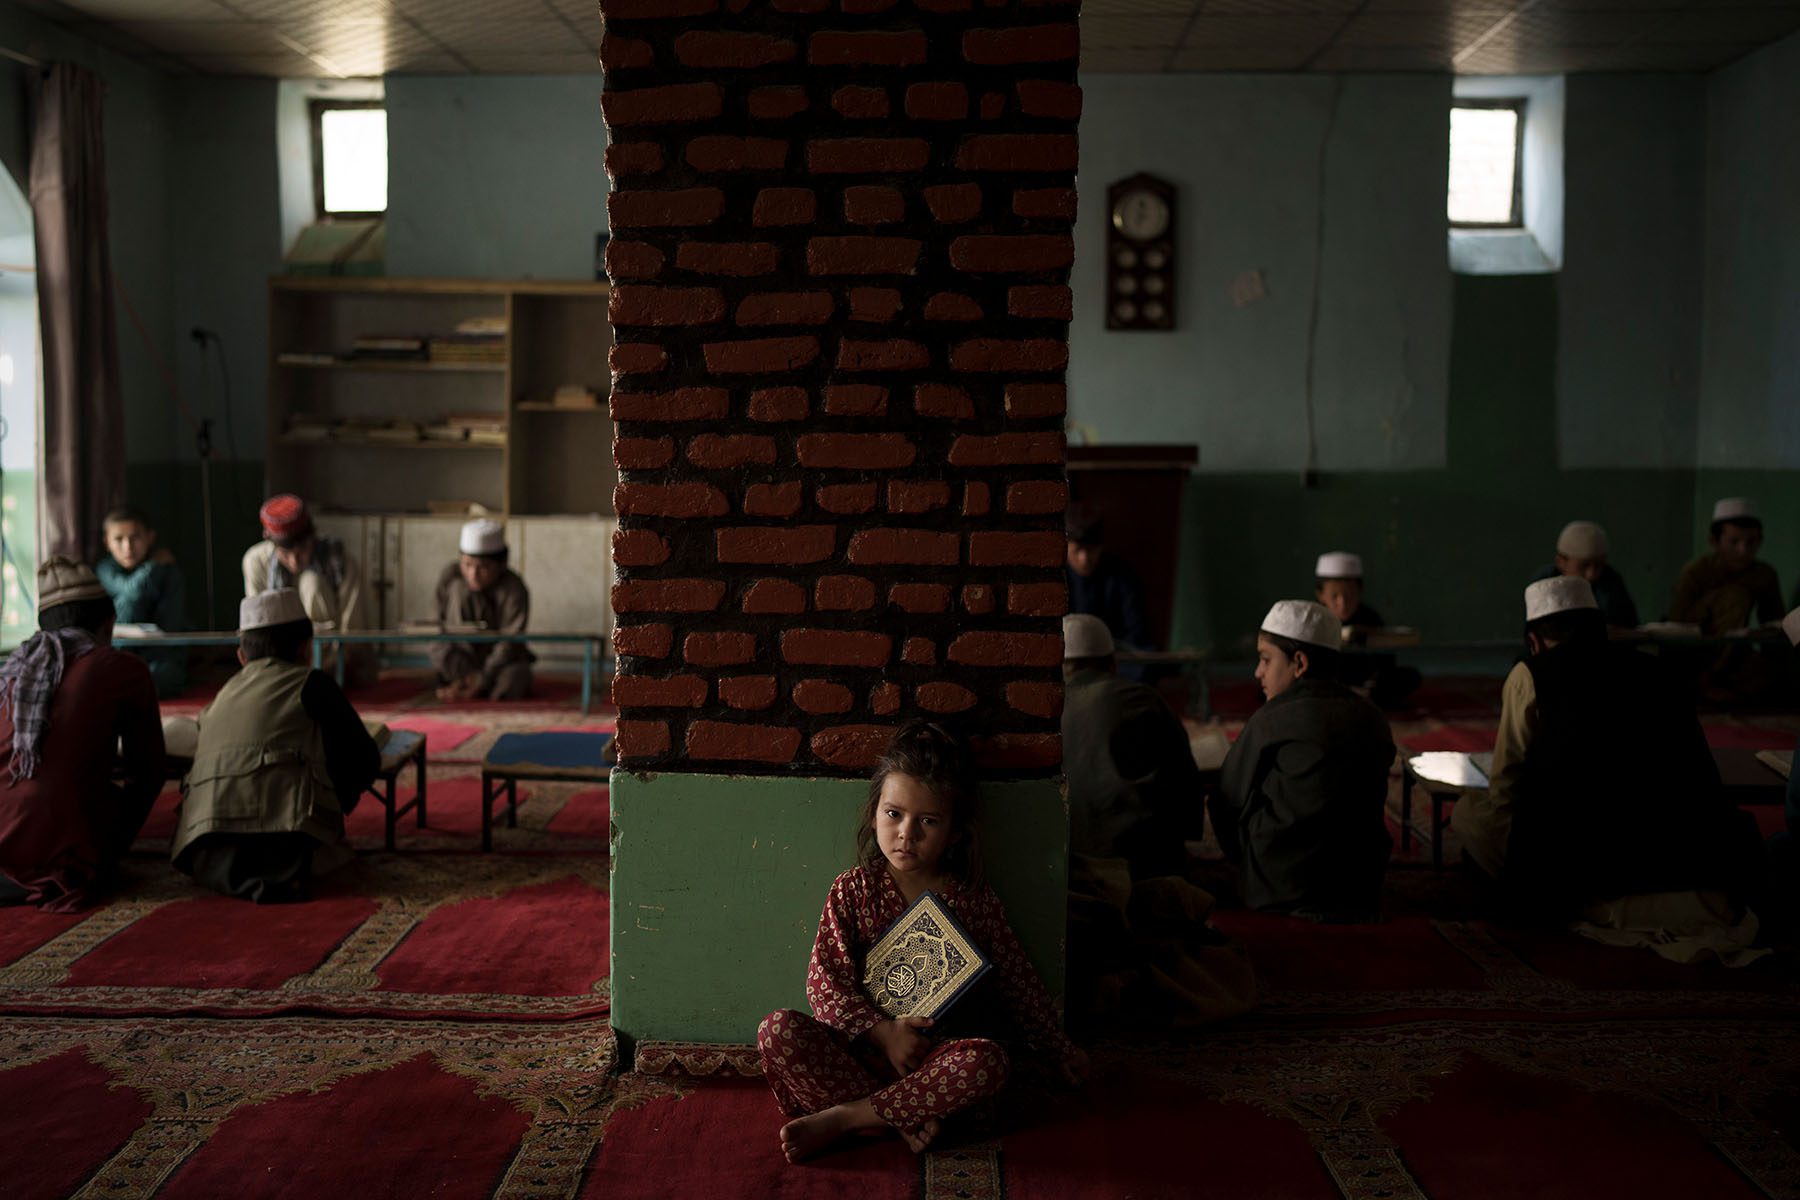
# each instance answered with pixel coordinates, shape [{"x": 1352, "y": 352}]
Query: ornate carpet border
[{"x": 698, "y": 1060}]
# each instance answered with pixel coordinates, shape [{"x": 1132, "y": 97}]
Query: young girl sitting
[{"x": 847, "y": 1068}]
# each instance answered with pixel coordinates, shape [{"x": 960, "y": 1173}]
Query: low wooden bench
[{"x": 548, "y": 757}]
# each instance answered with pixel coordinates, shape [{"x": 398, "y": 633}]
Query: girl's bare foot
[
  {"x": 804, "y": 1137},
  {"x": 918, "y": 1139}
]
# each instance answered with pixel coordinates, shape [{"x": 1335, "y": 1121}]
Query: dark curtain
[{"x": 83, "y": 435}]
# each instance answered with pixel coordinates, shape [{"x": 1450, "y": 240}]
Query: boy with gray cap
[
  {"x": 282, "y": 758},
  {"x": 67, "y": 698},
  {"x": 1602, "y": 785},
  {"x": 1303, "y": 793},
  {"x": 481, "y": 591}
]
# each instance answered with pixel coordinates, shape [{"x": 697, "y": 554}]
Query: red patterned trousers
[{"x": 812, "y": 1066}]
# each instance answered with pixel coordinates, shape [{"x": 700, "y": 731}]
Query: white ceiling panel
[
  {"x": 1119, "y": 33},
  {"x": 1123, "y": 61},
  {"x": 353, "y": 37},
  {"x": 585, "y": 63},
  {"x": 506, "y": 37},
  {"x": 1239, "y": 58}
]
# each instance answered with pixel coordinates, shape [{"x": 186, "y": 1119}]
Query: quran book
[{"x": 923, "y": 963}]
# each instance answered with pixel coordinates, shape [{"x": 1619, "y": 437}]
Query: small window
[
  {"x": 349, "y": 158},
  {"x": 1485, "y": 136}
]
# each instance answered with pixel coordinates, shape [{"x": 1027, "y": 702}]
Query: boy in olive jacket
[{"x": 282, "y": 758}]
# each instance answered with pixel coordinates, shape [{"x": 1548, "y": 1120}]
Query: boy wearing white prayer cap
[
  {"x": 1602, "y": 786},
  {"x": 1728, "y": 589},
  {"x": 479, "y": 590},
  {"x": 1134, "y": 791},
  {"x": 280, "y": 760},
  {"x": 1338, "y": 585},
  {"x": 1302, "y": 794},
  {"x": 1582, "y": 549}
]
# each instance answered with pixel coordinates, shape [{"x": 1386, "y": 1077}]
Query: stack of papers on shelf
[
  {"x": 486, "y": 326},
  {"x": 486, "y": 429},
  {"x": 305, "y": 358},
  {"x": 441, "y": 431},
  {"x": 573, "y": 395},
  {"x": 309, "y": 429},
  {"x": 394, "y": 431},
  {"x": 469, "y": 347},
  {"x": 388, "y": 345}
]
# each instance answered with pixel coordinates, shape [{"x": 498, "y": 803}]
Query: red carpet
[
  {"x": 440, "y": 736},
  {"x": 434, "y": 1023}
]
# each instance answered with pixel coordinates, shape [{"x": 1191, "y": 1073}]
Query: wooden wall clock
[{"x": 1140, "y": 254}]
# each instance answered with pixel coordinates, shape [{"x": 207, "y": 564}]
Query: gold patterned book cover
[{"x": 923, "y": 963}]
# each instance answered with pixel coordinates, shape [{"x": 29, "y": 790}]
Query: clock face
[{"x": 1141, "y": 215}]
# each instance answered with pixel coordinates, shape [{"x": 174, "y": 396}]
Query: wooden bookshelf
[{"x": 556, "y": 335}]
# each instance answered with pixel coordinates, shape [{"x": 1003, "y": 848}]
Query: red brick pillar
[{"x": 840, "y": 252}]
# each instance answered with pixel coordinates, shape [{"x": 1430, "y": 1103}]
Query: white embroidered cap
[
  {"x": 1086, "y": 636},
  {"x": 1790, "y": 625},
  {"x": 1564, "y": 593},
  {"x": 1338, "y": 564},
  {"x": 63, "y": 581},
  {"x": 1733, "y": 508},
  {"x": 1304, "y": 621},
  {"x": 482, "y": 536},
  {"x": 279, "y": 607},
  {"x": 1581, "y": 539}
]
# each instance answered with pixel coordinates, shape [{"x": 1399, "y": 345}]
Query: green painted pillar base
[{"x": 718, "y": 882}]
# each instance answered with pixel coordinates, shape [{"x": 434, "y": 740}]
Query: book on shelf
[
  {"x": 572, "y": 395},
  {"x": 439, "y": 431},
  {"x": 486, "y": 326},
  {"x": 475, "y": 421},
  {"x": 306, "y": 358},
  {"x": 309, "y": 429},
  {"x": 487, "y": 437},
  {"x": 393, "y": 431}
]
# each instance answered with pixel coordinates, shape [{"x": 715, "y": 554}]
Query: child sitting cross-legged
[
  {"x": 282, "y": 758},
  {"x": 847, "y": 1068}
]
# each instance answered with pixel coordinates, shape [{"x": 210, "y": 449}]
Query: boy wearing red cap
[{"x": 329, "y": 580}]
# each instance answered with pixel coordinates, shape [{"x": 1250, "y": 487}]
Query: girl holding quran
[{"x": 916, "y": 982}]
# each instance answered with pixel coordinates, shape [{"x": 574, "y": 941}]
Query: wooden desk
[
  {"x": 592, "y": 646},
  {"x": 551, "y": 757},
  {"x": 1743, "y": 779}
]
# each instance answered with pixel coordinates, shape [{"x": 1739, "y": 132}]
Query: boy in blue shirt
[{"x": 146, "y": 589}]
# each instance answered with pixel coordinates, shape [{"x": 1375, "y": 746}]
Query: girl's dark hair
[
  {"x": 939, "y": 759},
  {"x": 1321, "y": 661}
]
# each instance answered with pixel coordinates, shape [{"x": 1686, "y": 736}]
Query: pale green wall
[
  {"x": 1750, "y": 373},
  {"x": 1256, "y": 159},
  {"x": 718, "y": 883},
  {"x": 495, "y": 175}
]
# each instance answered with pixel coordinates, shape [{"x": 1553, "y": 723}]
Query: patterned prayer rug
[{"x": 434, "y": 1023}]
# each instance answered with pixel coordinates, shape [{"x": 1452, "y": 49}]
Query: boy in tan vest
[{"x": 282, "y": 758}]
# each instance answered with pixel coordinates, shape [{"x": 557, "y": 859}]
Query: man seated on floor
[
  {"x": 67, "y": 699},
  {"x": 1139, "y": 944},
  {"x": 281, "y": 759},
  {"x": 329, "y": 579},
  {"x": 480, "y": 591},
  {"x": 1302, "y": 798},
  {"x": 1134, "y": 792},
  {"x": 1604, "y": 800}
]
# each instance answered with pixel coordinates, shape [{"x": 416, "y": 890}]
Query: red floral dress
[{"x": 815, "y": 1062}]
